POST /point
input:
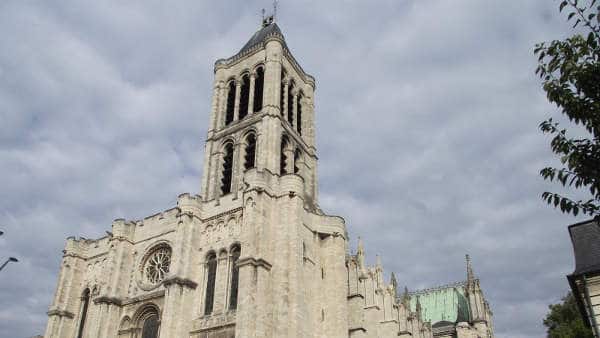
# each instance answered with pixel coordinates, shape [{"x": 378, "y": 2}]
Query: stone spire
[
  {"x": 394, "y": 283},
  {"x": 470, "y": 274},
  {"x": 360, "y": 254},
  {"x": 406, "y": 298},
  {"x": 418, "y": 309}
]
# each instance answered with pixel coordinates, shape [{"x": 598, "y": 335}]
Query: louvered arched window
[
  {"x": 244, "y": 96},
  {"x": 227, "y": 169},
  {"x": 283, "y": 157},
  {"x": 235, "y": 277},
  {"x": 259, "y": 84},
  {"x": 299, "y": 114},
  {"x": 85, "y": 302},
  {"x": 211, "y": 276},
  {"x": 151, "y": 324},
  {"x": 290, "y": 104},
  {"x": 230, "y": 103},
  {"x": 250, "y": 152}
]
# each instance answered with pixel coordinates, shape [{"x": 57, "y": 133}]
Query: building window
[
  {"x": 299, "y": 114},
  {"x": 150, "y": 328},
  {"x": 211, "y": 271},
  {"x": 259, "y": 84},
  {"x": 250, "y": 152},
  {"x": 244, "y": 96},
  {"x": 157, "y": 264},
  {"x": 227, "y": 169},
  {"x": 296, "y": 161},
  {"x": 85, "y": 302},
  {"x": 290, "y": 104},
  {"x": 230, "y": 103},
  {"x": 282, "y": 96},
  {"x": 283, "y": 158},
  {"x": 235, "y": 276}
]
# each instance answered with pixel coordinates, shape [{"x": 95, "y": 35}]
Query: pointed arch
[
  {"x": 250, "y": 151},
  {"x": 259, "y": 83},
  {"x": 148, "y": 320},
  {"x": 230, "y": 102},
  {"x": 85, "y": 302},
  {"x": 211, "y": 276},
  {"x": 283, "y": 158},
  {"x": 235, "y": 253},
  {"x": 227, "y": 172},
  {"x": 290, "y": 103},
  {"x": 244, "y": 96}
]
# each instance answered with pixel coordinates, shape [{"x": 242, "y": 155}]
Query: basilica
[{"x": 253, "y": 255}]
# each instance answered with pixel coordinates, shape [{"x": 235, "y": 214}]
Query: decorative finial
[
  {"x": 406, "y": 298},
  {"x": 394, "y": 282},
  {"x": 470, "y": 274}
]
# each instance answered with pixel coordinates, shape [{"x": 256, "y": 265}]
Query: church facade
[{"x": 252, "y": 255}]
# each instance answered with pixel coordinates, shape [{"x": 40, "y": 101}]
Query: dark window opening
[
  {"x": 296, "y": 160},
  {"x": 282, "y": 96},
  {"x": 227, "y": 169},
  {"x": 244, "y": 96},
  {"x": 235, "y": 276},
  {"x": 299, "y": 115},
  {"x": 259, "y": 84},
  {"x": 211, "y": 267},
  {"x": 84, "y": 307},
  {"x": 283, "y": 159},
  {"x": 250, "y": 157},
  {"x": 150, "y": 329},
  {"x": 230, "y": 103},
  {"x": 290, "y": 105}
]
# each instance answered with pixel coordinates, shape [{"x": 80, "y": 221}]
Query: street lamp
[{"x": 10, "y": 259}]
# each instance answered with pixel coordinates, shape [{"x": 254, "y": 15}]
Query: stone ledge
[
  {"x": 60, "y": 313},
  {"x": 180, "y": 281},
  {"x": 256, "y": 262},
  {"x": 108, "y": 300}
]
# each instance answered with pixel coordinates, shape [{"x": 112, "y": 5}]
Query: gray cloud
[{"x": 427, "y": 115}]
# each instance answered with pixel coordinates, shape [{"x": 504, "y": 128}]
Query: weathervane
[{"x": 267, "y": 20}]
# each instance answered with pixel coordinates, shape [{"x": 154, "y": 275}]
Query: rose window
[{"x": 157, "y": 265}]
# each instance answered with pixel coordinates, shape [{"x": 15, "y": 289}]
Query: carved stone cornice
[
  {"x": 180, "y": 281},
  {"x": 60, "y": 313},
  {"x": 256, "y": 262},
  {"x": 108, "y": 300}
]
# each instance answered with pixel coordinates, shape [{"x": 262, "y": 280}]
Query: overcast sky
[{"x": 427, "y": 115}]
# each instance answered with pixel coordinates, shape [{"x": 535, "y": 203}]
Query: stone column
[
  {"x": 294, "y": 109},
  {"x": 251, "y": 94},
  {"x": 272, "y": 85},
  {"x": 214, "y": 111},
  {"x": 236, "y": 109},
  {"x": 285, "y": 99},
  {"x": 236, "y": 170}
]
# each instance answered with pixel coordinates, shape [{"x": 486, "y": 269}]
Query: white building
[{"x": 253, "y": 255}]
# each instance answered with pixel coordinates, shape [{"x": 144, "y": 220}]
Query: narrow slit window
[
  {"x": 290, "y": 105},
  {"x": 227, "y": 169},
  {"x": 259, "y": 84},
  {"x": 296, "y": 161},
  {"x": 299, "y": 115},
  {"x": 283, "y": 158},
  {"x": 282, "y": 96},
  {"x": 85, "y": 302},
  {"x": 250, "y": 156},
  {"x": 211, "y": 269},
  {"x": 244, "y": 96},
  {"x": 235, "y": 276},
  {"x": 230, "y": 103}
]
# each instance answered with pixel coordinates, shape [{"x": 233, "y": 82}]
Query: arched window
[
  {"x": 250, "y": 153},
  {"x": 150, "y": 328},
  {"x": 211, "y": 271},
  {"x": 227, "y": 169},
  {"x": 230, "y": 103},
  {"x": 283, "y": 158},
  {"x": 290, "y": 104},
  {"x": 85, "y": 302},
  {"x": 235, "y": 277},
  {"x": 259, "y": 84},
  {"x": 244, "y": 96},
  {"x": 296, "y": 161},
  {"x": 299, "y": 114}
]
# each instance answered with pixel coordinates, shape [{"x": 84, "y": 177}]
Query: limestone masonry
[{"x": 253, "y": 255}]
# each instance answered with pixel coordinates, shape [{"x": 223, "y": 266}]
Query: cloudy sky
[{"x": 427, "y": 115}]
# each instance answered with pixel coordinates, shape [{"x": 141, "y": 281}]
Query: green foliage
[
  {"x": 564, "y": 320},
  {"x": 570, "y": 73}
]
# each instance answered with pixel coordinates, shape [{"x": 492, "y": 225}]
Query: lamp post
[{"x": 10, "y": 259}]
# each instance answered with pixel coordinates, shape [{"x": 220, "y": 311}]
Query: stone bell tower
[
  {"x": 262, "y": 117},
  {"x": 260, "y": 157}
]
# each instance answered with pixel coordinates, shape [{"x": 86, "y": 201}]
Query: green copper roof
[{"x": 447, "y": 303}]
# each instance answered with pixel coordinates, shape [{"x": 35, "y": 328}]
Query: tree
[
  {"x": 564, "y": 320},
  {"x": 570, "y": 73}
]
